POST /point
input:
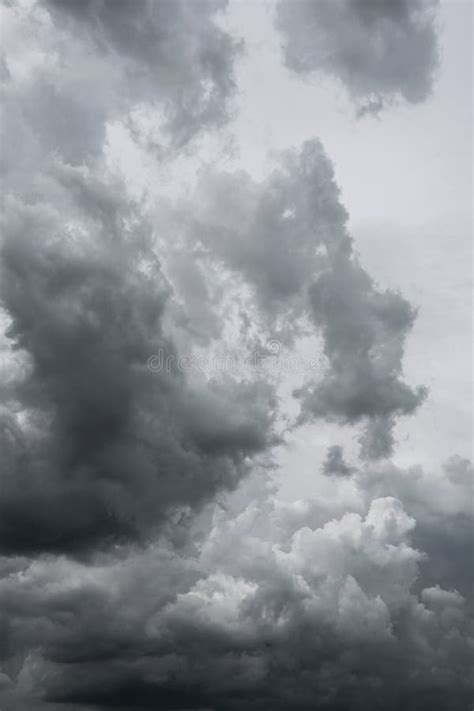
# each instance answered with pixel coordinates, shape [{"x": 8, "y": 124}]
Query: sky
[
  {"x": 406, "y": 181},
  {"x": 236, "y": 392}
]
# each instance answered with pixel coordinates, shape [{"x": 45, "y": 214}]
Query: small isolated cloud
[
  {"x": 380, "y": 50},
  {"x": 335, "y": 464}
]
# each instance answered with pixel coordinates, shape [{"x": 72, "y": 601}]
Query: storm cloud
[
  {"x": 148, "y": 557},
  {"x": 283, "y": 606},
  {"x": 96, "y": 445},
  {"x": 104, "y": 445}
]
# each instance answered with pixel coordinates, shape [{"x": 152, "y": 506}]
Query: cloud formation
[
  {"x": 90, "y": 63},
  {"x": 173, "y": 52},
  {"x": 335, "y": 464},
  {"x": 146, "y": 558},
  {"x": 281, "y": 605},
  {"x": 97, "y": 444},
  {"x": 379, "y": 50},
  {"x": 96, "y": 447},
  {"x": 287, "y": 237}
]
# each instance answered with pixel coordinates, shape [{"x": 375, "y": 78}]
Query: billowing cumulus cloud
[
  {"x": 442, "y": 505},
  {"x": 379, "y": 50},
  {"x": 279, "y": 606},
  {"x": 98, "y": 444}
]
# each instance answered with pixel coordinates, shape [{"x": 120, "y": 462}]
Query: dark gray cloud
[
  {"x": 378, "y": 49},
  {"x": 96, "y": 444}
]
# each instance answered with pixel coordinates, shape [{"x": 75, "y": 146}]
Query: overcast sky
[
  {"x": 236, "y": 367},
  {"x": 406, "y": 181}
]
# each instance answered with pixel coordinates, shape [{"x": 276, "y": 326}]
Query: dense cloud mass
[
  {"x": 280, "y": 606},
  {"x": 147, "y": 558},
  {"x": 98, "y": 444},
  {"x": 378, "y": 49}
]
